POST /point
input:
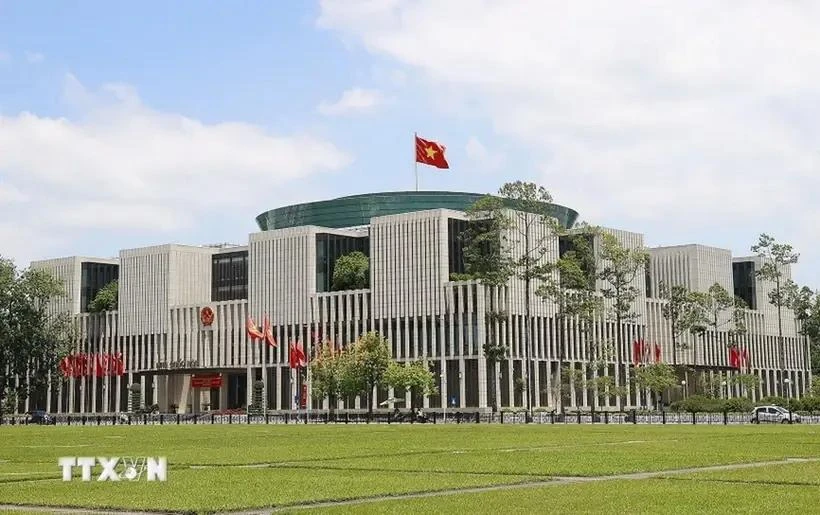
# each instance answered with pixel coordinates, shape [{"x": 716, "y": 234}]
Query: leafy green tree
[
  {"x": 712, "y": 304},
  {"x": 569, "y": 282},
  {"x": 415, "y": 377},
  {"x": 682, "y": 310},
  {"x": 326, "y": 370},
  {"x": 106, "y": 299},
  {"x": 485, "y": 261},
  {"x": 775, "y": 257},
  {"x": 747, "y": 382},
  {"x": 509, "y": 236},
  {"x": 815, "y": 387},
  {"x": 351, "y": 272},
  {"x": 484, "y": 257},
  {"x": 805, "y": 303},
  {"x": 365, "y": 364},
  {"x": 657, "y": 378},
  {"x": 31, "y": 340},
  {"x": 620, "y": 267}
]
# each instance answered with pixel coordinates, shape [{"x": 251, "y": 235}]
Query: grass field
[{"x": 231, "y": 467}]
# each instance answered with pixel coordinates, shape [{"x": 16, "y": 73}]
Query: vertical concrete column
[
  {"x": 482, "y": 383},
  {"x": 94, "y": 380},
  {"x": 277, "y": 377},
  {"x": 60, "y": 389},
  {"x": 117, "y": 394},
  {"x": 249, "y": 386}
]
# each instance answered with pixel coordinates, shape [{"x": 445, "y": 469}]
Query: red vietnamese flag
[
  {"x": 296, "y": 355},
  {"x": 430, "y": 153},
  {"x": 268, "y": 331},
  {"x": 253, "y": 331}
]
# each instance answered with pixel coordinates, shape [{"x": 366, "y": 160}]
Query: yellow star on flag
[{"x": 431, "y": 152}]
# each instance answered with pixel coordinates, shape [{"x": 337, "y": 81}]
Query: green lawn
[{"x": 321, "y": 463}]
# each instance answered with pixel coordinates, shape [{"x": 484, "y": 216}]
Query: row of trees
[
  {"x": 364, "y": 367},
  {"x": 511, "y": 236},
  {"x": 31, "y": 339}
]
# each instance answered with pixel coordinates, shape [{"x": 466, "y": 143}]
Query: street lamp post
[
  {"x": 683, "y": 386},
  {"x": 724, "y": 390}
]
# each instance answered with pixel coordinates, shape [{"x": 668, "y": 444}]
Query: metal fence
[{"x": 362, "y": 417}]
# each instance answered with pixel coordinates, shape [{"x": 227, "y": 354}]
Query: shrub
[
  {"x": 738, "y": 404},
  {"x": 701, "y": 404}
]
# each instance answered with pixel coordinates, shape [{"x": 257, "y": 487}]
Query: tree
[
  {"x": 365, "y": 364},
  {"x": 106, "y": 299},
  {"x": 656, "y": 377},
  {"x": 415, "y": 377},
  {"x": 620, "y": 267},
  {"x": 31, "y": 340},
  {"x": 351, "y": 272},
  {"x": 747, "y": 382},
  {"x": 522, "y": 217},
  {"x": 805, "y": 304},
  {"x": 712, "y": 304},
  {"x": 494, "y": 353},
  {"x": 569, "y": 282},
  {"x": 327, "y": 369},
  {"x": 776, "y": 256},
  {"x": 682, "y": 311},
  {"x": 485, "y": 261}
]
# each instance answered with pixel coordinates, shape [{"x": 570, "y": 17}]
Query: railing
[{"x": 380, "y": 417}]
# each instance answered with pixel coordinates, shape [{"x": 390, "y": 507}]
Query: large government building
[{"x": 186, "y": 360}]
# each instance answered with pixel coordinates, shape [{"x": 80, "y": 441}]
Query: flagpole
[{"x": 415, "y": 159}]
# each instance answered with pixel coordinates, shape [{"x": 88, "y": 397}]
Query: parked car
[
  {"x": 40, "y": 417},
  {"x": 774, "y": 414}
]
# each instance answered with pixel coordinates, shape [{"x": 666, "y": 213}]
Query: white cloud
[
  {"x": 482, "y": 158},
  {"x": 122, "y": 165},
  {"x": 352, "y": 100},
  {"x": 34, "y": 57},
  {"x": 11, "y": 195},
  {"x": 646, "y": 115}
]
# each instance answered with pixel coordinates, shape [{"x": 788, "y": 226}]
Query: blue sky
[{"x": 123, "y": 126}]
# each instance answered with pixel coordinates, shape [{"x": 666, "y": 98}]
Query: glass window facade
[
  {"x": 743, "y": 273},
  {"x": 94, "y": 277},
  {"x": 329, "y": 248},
  {"x": 455, "y": 245},
  {"x": 229, "y": 276}
]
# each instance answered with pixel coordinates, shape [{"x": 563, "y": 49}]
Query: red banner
[
  {"x": 206, "y": 381},
  {"x": 303, "y": 399},
  {"x": 87, "y": 365}
]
